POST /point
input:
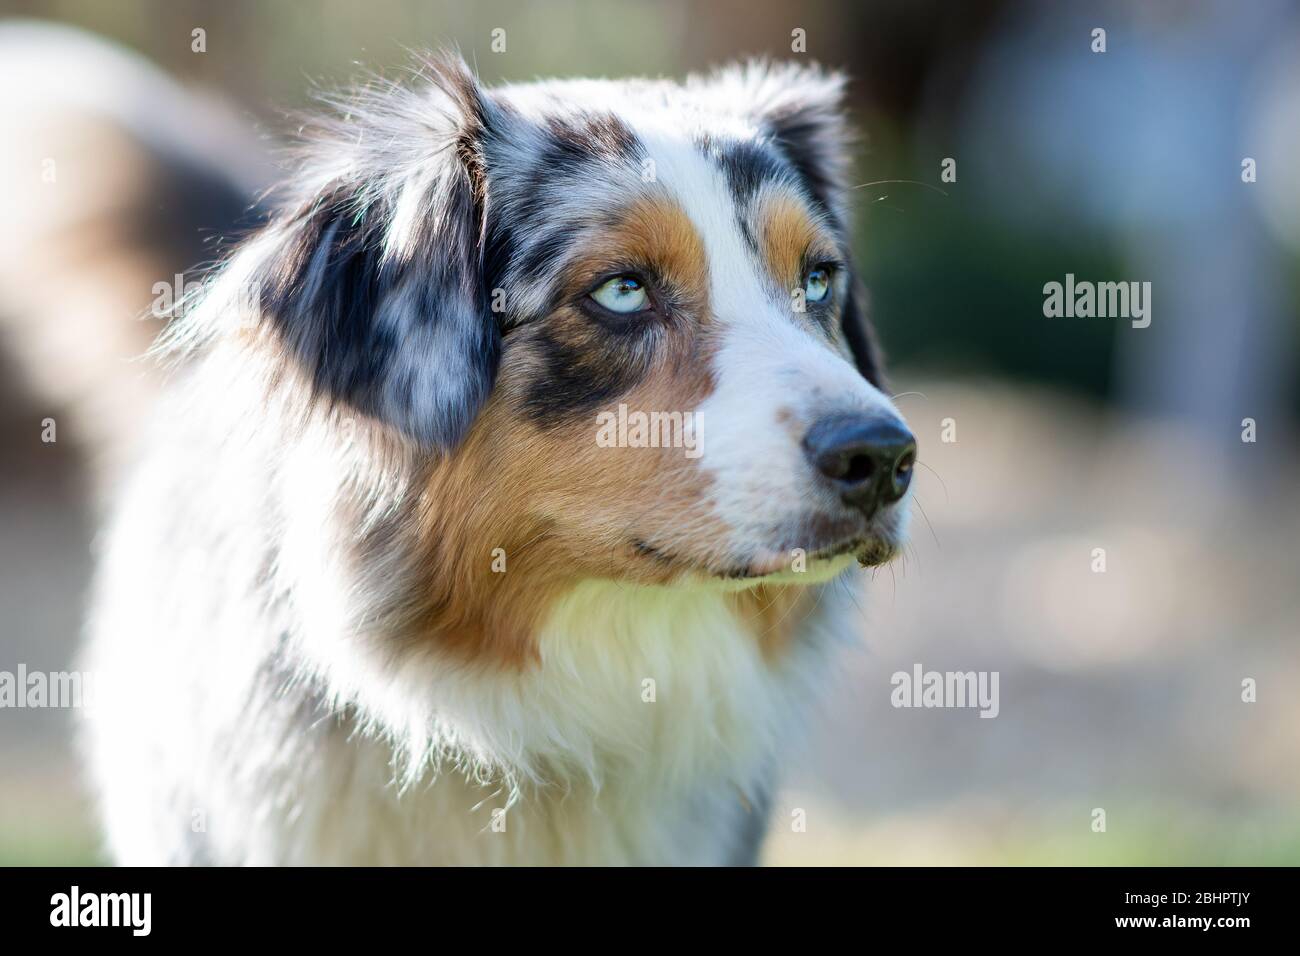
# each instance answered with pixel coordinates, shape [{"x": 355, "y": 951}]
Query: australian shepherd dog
[{"x": 493, "y": 506}]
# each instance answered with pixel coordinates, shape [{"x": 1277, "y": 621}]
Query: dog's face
[{"x": 619, "y": 318}]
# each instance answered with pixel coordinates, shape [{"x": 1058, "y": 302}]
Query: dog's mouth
[
  {"x": 796, "y": 564},
  {"x": 868, "y": 550}
]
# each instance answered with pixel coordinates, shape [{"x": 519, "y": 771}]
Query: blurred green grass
[
  {"x": 1140, "y": 834},
  {"x": 1146, "y": 834},
  {"x": 43, "y": 824}
]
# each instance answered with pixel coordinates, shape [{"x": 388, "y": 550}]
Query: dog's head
[{"x": 617, "y": 317}]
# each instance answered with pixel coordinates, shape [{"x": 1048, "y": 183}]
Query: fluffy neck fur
[{"x": 628, "y": 680}]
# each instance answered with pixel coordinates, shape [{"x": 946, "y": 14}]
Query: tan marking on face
[
  {"x": 653, "y": 233},
  {"x": 792, "y": 239},
  {"x": 787, "y": 234},
  {"x": 561, "y": 507}
]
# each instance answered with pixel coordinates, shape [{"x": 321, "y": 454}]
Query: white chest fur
[
  {"x": 647, "y": 734},
  {"x": 653, "y": 722}
]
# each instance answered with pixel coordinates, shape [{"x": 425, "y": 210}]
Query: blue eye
[
  {"x": 624, "y": 294},
  {"x": 817, "y": 284}
]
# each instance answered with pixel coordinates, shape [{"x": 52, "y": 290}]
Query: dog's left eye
[
  {"x": 622, "y": 294},
  {"x": 817, "y": 284}
]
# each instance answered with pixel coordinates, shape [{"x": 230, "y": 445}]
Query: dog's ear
[
  {"x": 800, "y": 108},
  {"x": 374, "y": 282}
]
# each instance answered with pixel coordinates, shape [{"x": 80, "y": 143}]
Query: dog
[{"x": 377, "y": 594}]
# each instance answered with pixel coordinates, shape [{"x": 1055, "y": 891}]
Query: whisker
[
  {"x": 848, "y": 586},
  {"x": 910, "y": 550},
  {"x": 946, "y": 499},
  {"x": 813, "y": 610},
  {"x": 917, "y": 499},
  {"x": 910, "y": 182}
]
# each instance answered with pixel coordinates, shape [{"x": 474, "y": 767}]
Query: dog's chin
[
  {"x": 811, "y": 571},
  {"x": 817, "y": 567},
  {"x": 800, "y": 559},
  {"x": 795, "y": 566}
]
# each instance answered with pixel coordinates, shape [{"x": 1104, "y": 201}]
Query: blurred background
[{"x": 1042, "y": 439}]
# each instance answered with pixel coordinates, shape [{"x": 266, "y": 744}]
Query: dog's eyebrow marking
[
  {"x": 656, "y": 230},
  {"x": 793, "y": 238},
  {"x": 789, "y": 234}
]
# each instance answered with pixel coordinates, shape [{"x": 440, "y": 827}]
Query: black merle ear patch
[{"x": 376, "y": 287}]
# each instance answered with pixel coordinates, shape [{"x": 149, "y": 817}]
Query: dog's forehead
[
  {"x": 587, "y": 149},
  {"x": 658, "y": 131}
]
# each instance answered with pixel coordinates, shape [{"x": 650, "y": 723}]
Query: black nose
[{"x": 867, "y": 459}]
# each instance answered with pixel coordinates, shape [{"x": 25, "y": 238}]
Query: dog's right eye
[
  {"x": 817, "y": 283},
  {"x": 622, "y": 294}
]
